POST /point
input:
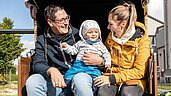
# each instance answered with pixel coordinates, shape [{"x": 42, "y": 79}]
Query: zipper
[{"x": 120, "y": 57}]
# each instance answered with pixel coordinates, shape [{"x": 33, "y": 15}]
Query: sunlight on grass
[
  {"x": 164, "y": 86},
  {"x": 9, "y": 89}
]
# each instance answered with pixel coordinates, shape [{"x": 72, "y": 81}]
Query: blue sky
[{"x": 16, "y": 10}]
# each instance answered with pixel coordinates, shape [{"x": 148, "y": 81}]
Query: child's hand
[
  {"x": 64, "y": 45},
  {"x": 107, "y": 66}
]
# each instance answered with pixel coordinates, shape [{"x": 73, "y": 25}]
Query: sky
[
  {"x": 16, "y": 10},
  {"x": 155, "y": 9}
]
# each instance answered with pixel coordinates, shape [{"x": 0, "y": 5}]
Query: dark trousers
[{"x": 123, "y": 90}]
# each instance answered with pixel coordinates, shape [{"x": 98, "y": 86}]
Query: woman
[{"x": 129, "y": 46}]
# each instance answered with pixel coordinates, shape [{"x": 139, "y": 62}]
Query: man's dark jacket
[{"x": 49, "y": 54}]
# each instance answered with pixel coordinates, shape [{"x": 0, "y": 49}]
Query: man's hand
[
  {"x": 56, "y": 77},
  {"x": 92, "y": 59}
]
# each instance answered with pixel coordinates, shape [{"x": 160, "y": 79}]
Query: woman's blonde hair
[{"x": 125, "y": 11}]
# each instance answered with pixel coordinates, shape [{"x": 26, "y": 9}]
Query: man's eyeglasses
[{"x": 62, "y": 20}]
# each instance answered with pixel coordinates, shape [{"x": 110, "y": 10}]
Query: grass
[
  {"x": 9, "y": 89},
  {"x": 164, "y": 86}
]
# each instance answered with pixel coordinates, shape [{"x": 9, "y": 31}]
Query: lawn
[
  {"x": 164, "y": 86},
  {"x": 9, "y": 89}
]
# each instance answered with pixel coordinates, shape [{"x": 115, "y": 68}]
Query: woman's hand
[
  {"x": 56, "y": 77},
  {"x": 92, "y": 59},
  {"x": 101, "y": 80}
]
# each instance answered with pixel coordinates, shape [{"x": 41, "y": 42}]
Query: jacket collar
[
  {"x": 50, "y": 34},
  {"x": 127, "y": 35}
]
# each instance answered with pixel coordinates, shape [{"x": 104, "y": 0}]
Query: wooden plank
[
  {"x": 155, "y": 76},
  {"x": 150, "y": 78},
  {"x": 23, "y": 73}
]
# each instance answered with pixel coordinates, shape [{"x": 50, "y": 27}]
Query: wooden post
[
  {"x": 155, "y": 76},
  {"x": 23, "y": 73},
  {"x": 150, "y": 73}
]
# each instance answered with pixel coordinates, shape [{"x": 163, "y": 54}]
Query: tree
[
  {"x": 7, "y": 23},
  {"x": 10, "y": 48}
]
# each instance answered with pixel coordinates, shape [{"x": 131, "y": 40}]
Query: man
[{"x": 50, "y": 62}]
